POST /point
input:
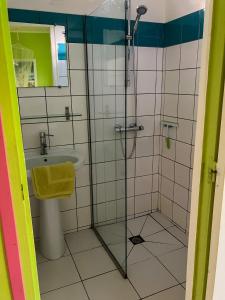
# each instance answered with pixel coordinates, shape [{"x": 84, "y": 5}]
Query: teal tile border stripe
[
  {"x": 185, "y": 29},
  {"x": 99, "y": 30}
]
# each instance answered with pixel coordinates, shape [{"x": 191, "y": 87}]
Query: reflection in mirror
[{"x": 40, "y": 55}]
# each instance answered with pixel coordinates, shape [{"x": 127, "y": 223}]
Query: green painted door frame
[{"x": 214, "y": 101}]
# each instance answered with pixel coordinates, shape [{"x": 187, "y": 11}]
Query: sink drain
[{"x": 135, "y": 240}]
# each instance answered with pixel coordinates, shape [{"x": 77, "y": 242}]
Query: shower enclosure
[{"x": 106, "y": 64}]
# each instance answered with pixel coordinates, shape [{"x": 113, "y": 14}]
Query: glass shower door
[{"x": 106, "y": 57}]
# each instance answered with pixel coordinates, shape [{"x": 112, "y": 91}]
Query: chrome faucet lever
[{"x": 43, "y": 142}]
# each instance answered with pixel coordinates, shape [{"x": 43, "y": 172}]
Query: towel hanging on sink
[{"x": 53, "y": 181}]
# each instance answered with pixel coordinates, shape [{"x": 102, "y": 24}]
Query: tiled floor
[{"x": 156, "y": 268}]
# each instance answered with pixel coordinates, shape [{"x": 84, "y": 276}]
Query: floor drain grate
[{"x": 137, "y": 240}]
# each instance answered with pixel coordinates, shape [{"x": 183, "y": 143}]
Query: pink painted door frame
[{"x": 8, "y": 226}]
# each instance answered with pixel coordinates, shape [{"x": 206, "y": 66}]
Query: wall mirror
[{"x": 40, "y": 55}]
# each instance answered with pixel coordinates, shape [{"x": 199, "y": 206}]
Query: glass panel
[{"x": 106, "y": 66}]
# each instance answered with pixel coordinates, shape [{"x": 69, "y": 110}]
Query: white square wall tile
[
  {"x": 180, "y": 216},
  {"x": 142, "y": 203},
  {"x": 187, "y": 81},
  {"x": 120, "y": 58},
  {"x": 168, "y": 168},
  {"x": 83, "y": 196},
  {"x": 166, "y": 207},
  {"x": 170, "y": 103},
  {"x": 172, "y": 57},
  {"x": 167, "y": 188},
  {"x": 146, "y": 58},
  {"x": 146, "y": 81},
  {"x": 82, "y": 176},
  {"x": 186, "y": 107},
  {"x": 78, "y": 79},
  {"x": 171, "y": 82},
  {"x": 32, "y": 107},
  {"x": 80, "y": 132},
  {"x": 76, "y": 56},
  {"x": 159, "y": 58},
  {"x": 181, "y": 196},
  {"x": 189, "y": 52},
  {"x": 143, "y": 185},
  {"x": 144, "y": 166},
  {"x": 144, "y": 146},
  {"x": 62, "y": 133},
  {"x": 146, "y": 104},
  {"x": 84, "y": 216},
  {"x": 182, "y": 175},
  {"x": 79, "y": 106},
  {"x": 183, "y": 153}
]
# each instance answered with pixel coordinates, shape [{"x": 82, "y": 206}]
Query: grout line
[
  {"x": 77, "y": 270},
  {"x": 161, "y": 291}
]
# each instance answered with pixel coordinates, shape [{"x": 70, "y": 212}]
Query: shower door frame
[{"x": 126, "y": 31}]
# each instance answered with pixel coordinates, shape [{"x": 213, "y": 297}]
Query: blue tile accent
[
  {"x": 185, "y": 29},
  {"x": 111, "y": 31}
]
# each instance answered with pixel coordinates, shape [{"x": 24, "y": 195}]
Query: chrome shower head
[{"x": 141, "y": 10}]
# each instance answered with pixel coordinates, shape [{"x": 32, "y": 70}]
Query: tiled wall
[
  {"x": 143, "y": 171},
  {"x": 158, "y": 178},
  {"x": 70, "y": 134},
  {"x": 181, "y": 67},
  {"x": 107, "y": 101}
]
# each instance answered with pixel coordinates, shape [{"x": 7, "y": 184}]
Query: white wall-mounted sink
[{"x": 33, "y": 159}]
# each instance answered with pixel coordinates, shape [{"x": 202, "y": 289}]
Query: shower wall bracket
[{"x": 168, "y": 125}]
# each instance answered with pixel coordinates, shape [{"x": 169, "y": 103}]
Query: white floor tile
[
  {"x": 57, "y": 273},
  {"x": 82, "y": 240},
  {"x": 75, "y": 291},
  {"x": 179, "y": 234},
  {"x": 135, "y": 225},
  {"x": 138, "y": 254},
  {"x": 175, "y": 293},
  {"x": 110, "y": 286},
  {"x": 93, "y": 262},
  {"x": 164, "y": 221},
  {"x": 176, "y": 263},
  {"x": 161, "y": 243},
  {"x": 149, "y": 277},
  {"x": 150, "y": 227}
]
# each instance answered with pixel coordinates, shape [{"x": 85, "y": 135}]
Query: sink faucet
[{"x": 43, "y": 142}]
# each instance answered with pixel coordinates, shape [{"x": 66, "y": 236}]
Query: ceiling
[
  {"x": 107, "y": 8},
  {"x": 158, "y": 10}
]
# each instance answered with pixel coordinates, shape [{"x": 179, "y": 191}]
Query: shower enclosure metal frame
[{"x": 127, "y": 24}]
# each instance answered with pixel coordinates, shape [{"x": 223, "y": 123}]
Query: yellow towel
[{"x": 53, "y": 181}]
